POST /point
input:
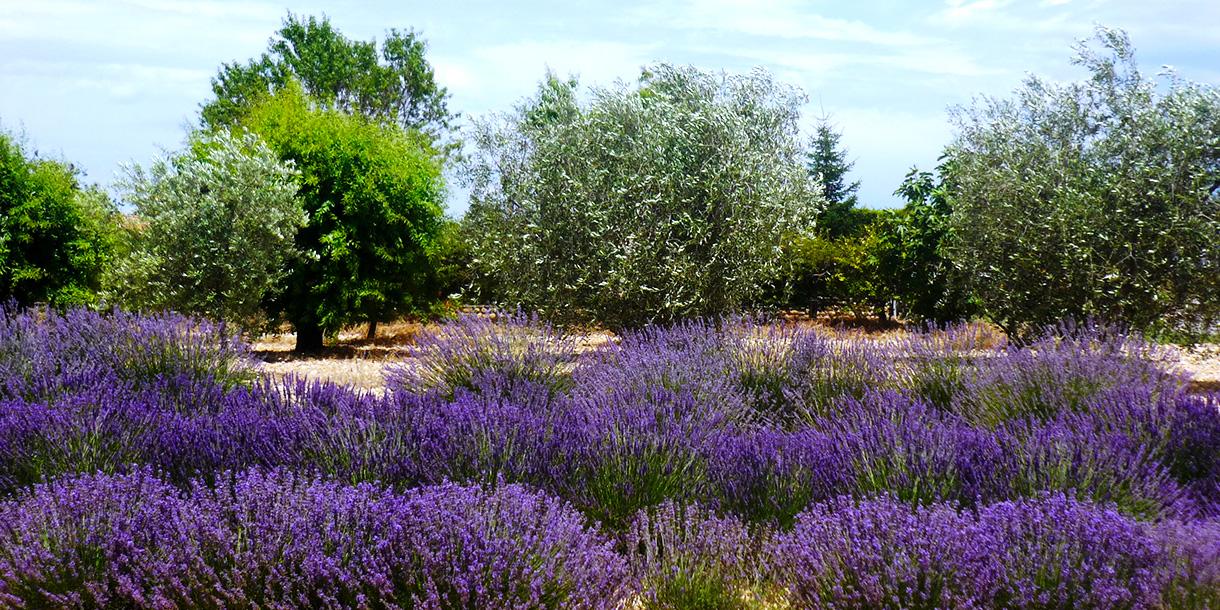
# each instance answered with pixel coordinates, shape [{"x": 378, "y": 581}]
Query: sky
[{"x": 106, "y": 83}]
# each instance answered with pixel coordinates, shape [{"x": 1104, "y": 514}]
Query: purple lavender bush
[
  {"x": 690, "y": 358},
  {"x": 516, "y": 346},
  {"x": 1191, "y": 563},
  {"x": 45, "y": 354},
  {"x": 935, "y": 363},
  {"x": 109, "y": 427},
  {"x": 619, "y": 455},
  {"x": 103, "y": 541},
  {"x": 1046, "y": 553},
  {"x": 874, "y": 554},
  {"x": 687, "y": 558},
  {"x": 1056, "y": 552},
  {"x": 894, "y": 445},
  {"x": 305, "y": 543},
  {"x": 768, "y": 476},
  {"x": 827, "y": 368},
  {"x": 1090, "y": 464},
  {"x": 503, "y": 431},
  {"x": 1062, "y": 372},
  {"x": 280, "y": 540}
]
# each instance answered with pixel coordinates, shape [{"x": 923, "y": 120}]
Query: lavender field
[{"x": 147, "y": 462}]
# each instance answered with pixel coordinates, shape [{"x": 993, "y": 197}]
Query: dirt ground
[
  {"x": 356, "y": 361},
  {"x": 1203, "y": 364}
]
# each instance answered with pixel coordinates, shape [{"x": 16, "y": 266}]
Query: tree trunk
[
  {"x": 309, "y": 337},
  {"x": 372, "y": 334}
]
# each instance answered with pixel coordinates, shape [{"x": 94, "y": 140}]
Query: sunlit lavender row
[{"x": 146, "y": 462}]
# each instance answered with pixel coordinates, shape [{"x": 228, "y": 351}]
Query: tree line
[{"x": 312, "y": 193}]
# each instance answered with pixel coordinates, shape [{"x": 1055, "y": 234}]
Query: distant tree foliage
[
  {"x": 651, "y": 202},
  {"x": 1091, "y": 198},
  {"x": 373, "y": 193},
  {"x": 218, "y": 220},
  {"x": 451, "y": 260},
  {"x": 849, "y": 272},
  {"x": 828, "y": 164},
  {"x": 393, "y": 83},
  {"x": 929, "y": 286},
  {"x": 55, "y": 238}
]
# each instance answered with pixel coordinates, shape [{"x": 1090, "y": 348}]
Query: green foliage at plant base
[
  {"x": 394, "y": 84},
  {"x": 1091, "y": 198},
  {"x": 657, "y": 201},
  {"x": 373, "y": 194},
  {"x": 219, "y": 220},
  {"x": 55, "y": 238}
]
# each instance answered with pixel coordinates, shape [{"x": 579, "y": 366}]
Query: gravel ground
[
  {"x": 1203, "y": 364},
  {"x": 360, "y": 363}
]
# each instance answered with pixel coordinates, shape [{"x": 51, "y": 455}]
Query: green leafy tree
[
  {"x": 373, "y": 194},
  {"x": 650, "y": 202},
  {"x": 393, "y": 83},
  {"x": 827, "y": 162},
  {"x": 55, "y": 238},
  {"x": 1091, "y": 198},
  {"x": 451, "y": 260},
  {"x": 218, "y": 221},
  {"x": 923, "y": 278}
]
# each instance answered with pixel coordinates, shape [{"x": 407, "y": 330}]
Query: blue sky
[{"x": 106, "y": 82}]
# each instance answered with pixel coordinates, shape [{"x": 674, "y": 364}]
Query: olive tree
[
  {"x": 1091, "y": 198},
  {"x": 651, "y": 201},
  {"x": 218, "y": 221}
]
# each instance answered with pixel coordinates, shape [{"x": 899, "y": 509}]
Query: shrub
[
  {"x": 687, "y": 558},
  {"x": 1044, "y": 553},
  {"x": 1191, "y": 562},
  {"x": 627, "y": 453},
  {"x": 892, "y": 445},
  {"x": 1062, "y": 371},
  {"x": 108, "y": 428},
  {"x": 502, "y": 432},
  {"x": 1055, "y": 552},
  {"x": 44, "y": 354},
  {"x": 769, "y": 476},
  {"x": 690, "y": 358},
  {"x": 874, "y": 554},
  {"x": 1088, "y": 463},
  {"x": 278, "y": 540},
  {"x": 102, "y": 541},
  {"x": 515, "y": 347}
]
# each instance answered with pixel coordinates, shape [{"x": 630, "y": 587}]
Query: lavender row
[
  {"x": 274, "y": 540},
  {"x": 697, "y": 413},
  {"x": 615, "y": 453},
  {"x": 277, "y": 540}
]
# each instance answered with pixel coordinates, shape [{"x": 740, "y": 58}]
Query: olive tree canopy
[
  {"x": 652, "y": 201},
  {"x": 1091, "y": 198}
]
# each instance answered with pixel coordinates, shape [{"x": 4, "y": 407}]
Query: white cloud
[
  {"x": 771, "y": 19},
  {"x": 493, "y": 77},
  {"x": 961, "y": 11},
  {"x": 211, "y": 9}
]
